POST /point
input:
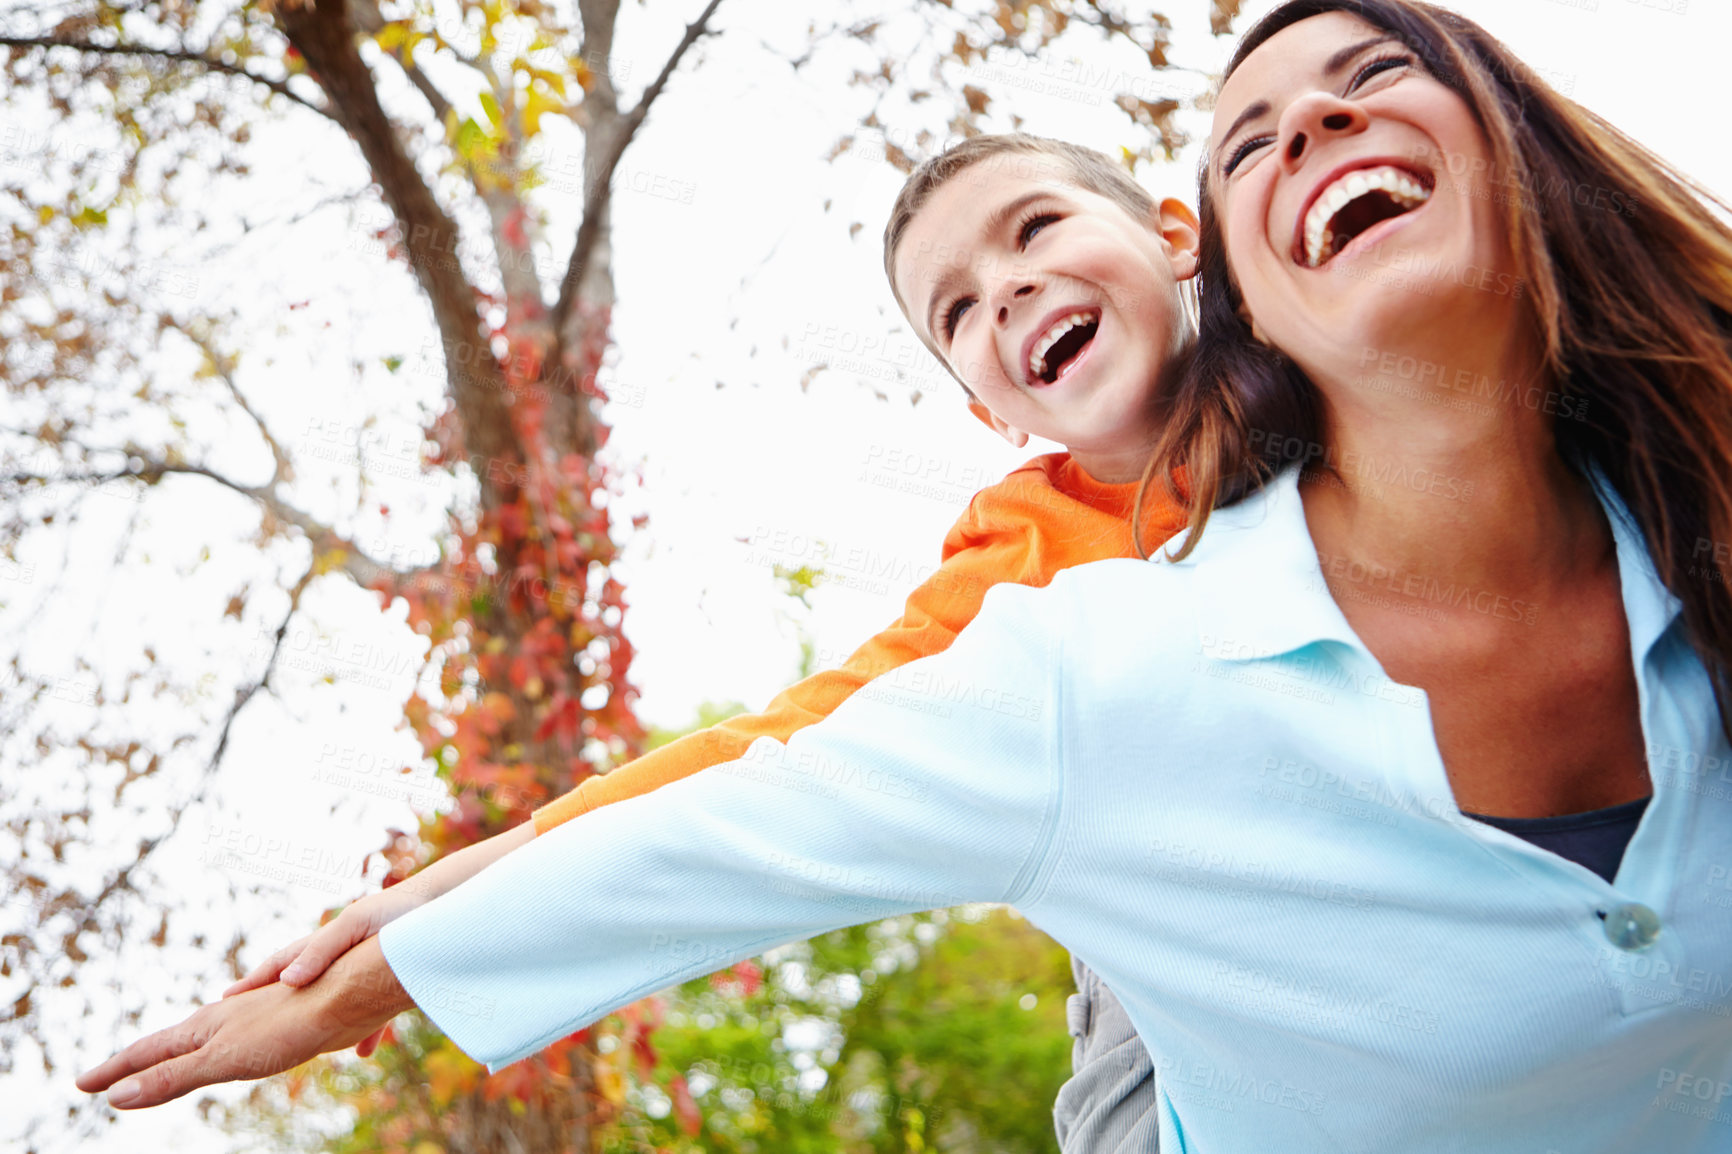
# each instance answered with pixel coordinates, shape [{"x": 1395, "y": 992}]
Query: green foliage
[
  {"x": 941, "y": 1030},
  {"x": 933, "y": 1031}
]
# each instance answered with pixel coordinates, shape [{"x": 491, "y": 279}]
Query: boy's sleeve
[
  {"x": 984, "y": 548},
  {"x": 942, "y": 792}
]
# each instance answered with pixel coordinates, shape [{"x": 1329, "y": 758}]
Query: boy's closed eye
[{"x": 1025, "y": 232}]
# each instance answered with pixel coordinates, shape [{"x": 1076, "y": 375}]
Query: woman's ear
[
  {"x": 997, "y": 424},
  {"x": 1181, "y": 236}
]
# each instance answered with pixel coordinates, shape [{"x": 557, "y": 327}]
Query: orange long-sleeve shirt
[{"x": 1046, "y": 516}]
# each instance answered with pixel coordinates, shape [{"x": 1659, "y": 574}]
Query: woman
[
  {"x": 1242, "y": 792},
  {"x": 1631, "y": 328}
]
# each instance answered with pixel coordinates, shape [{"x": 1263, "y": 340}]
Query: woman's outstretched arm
[
  {"x": 935, "y": 785},
  {"x": 255, "y": 1034},
  {"x": 938, "y": 785}
]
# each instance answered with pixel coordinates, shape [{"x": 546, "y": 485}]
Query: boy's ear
[
  {"x": 1181, "y": 233},
  {"x": 993, "y": 421}
]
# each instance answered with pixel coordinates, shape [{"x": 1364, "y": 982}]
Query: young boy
[{"x": 1047, "y": 282}]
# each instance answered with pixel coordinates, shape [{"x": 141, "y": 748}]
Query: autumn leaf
[{"x": 685, "y": 1108}]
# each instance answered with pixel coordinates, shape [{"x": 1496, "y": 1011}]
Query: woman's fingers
[
  {"x": 254, "y": 1035},
  {"x": 162, "y": 1046},
  {"x": 268, "y": 970},
  {"x": 370, "y": 1043},
  {"x": 160, "y": 1083}
]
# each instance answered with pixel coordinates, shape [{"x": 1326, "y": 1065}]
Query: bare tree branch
[
  {"x": 122, "y": 879},
  {"x": 599, "y": 173},
  {"x": 326, "y": 541},
  {"x": 223, "y": 366},
  {"x": 280, "y": 87},
  {"x": 320, "y": 30}
]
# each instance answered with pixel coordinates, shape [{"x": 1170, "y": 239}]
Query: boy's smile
[
  {"x": 1055, "y": 348},
  {"x": 1053, "y": 305}
]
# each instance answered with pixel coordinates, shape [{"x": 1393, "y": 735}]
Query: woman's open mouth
[
  {"x": 1061, "y": 344},
  {"x": 1355, "y": 202}
]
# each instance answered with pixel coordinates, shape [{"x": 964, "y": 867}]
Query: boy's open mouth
[
  {"x": 1061, "y": 343},
  {"x": 1352, "y": 203}
]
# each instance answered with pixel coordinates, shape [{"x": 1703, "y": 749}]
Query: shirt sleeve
[
  {"x": 984, "y": 548},
  {"x": 940, "y": 789}
]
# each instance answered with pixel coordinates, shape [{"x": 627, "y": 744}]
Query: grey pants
[{"x": 1108, "y": 1106}]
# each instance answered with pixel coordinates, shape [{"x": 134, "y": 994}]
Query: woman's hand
[
  {"x": 256, "y": 1034},
  {"x": 301, "y": 962}
]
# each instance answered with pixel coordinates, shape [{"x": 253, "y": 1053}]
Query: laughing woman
[{"x": 1392, "y": 813}]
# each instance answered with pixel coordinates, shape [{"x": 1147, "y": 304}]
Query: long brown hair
[{"x": 1632, "y": 298}]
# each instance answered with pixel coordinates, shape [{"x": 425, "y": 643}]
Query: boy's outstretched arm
[
  {"x": 302, "y": 961},
  {"x": 1003, "y": 537}
]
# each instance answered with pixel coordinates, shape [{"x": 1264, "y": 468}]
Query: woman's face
[{"x": 1356, "y": 199}]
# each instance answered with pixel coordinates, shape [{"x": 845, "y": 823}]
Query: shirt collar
[{"x": 1261, "y": 590}]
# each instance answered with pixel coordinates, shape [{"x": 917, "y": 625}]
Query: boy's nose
[{"x": 1004, "y": 309}]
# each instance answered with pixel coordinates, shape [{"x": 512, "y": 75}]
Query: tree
[{"x": 116, "y": 376}]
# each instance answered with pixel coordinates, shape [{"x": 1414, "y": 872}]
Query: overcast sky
[{"x": 739, "y": 270}]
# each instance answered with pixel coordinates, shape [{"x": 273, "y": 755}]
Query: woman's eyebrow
[
  {"x": 1345, "y": 57},
  {"x": 1252, "y": 112}
]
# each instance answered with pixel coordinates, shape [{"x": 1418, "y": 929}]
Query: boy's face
[{"x": 1053, "y": 305}]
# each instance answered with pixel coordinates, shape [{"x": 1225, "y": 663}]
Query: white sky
[{"x": 726, "y": 251}]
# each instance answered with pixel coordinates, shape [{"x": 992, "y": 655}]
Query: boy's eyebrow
[
  {"x": 1331, "y": 67},
  {"x": 995, "y": 224}
]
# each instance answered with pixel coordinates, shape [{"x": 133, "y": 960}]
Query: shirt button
[{"x": 1632, "y": 926}]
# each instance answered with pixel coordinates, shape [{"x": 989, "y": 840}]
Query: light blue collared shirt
[{"x": 1197, "y": 778}]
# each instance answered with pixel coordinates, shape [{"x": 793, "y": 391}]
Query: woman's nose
[
  {"x": 1312, "y": 120},
  {"x": 1025, "y": 288}
]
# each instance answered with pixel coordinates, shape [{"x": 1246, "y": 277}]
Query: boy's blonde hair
[{"x": 1090, "y": 170}]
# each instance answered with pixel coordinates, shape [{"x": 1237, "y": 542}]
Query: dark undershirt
[{"x": 1595, "y": 839}]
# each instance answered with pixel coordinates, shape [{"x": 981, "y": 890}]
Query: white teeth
[
  {"x": 1037, "y": 355},
  {"x": 1397, "y": 183}
]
